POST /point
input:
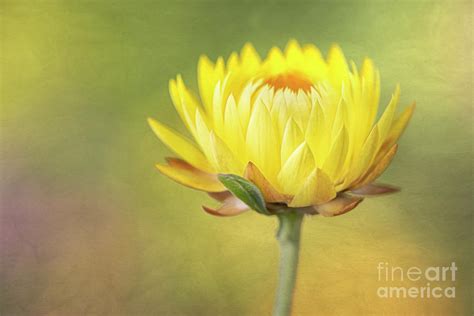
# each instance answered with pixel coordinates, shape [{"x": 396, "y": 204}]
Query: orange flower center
[{"x": 292, "y": 80}]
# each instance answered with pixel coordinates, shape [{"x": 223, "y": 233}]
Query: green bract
[{"x": 246, "y": 191}]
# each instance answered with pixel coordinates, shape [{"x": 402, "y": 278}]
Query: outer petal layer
[
  {"x": 182, "y": 172},
  {"x": 378, "y": 168},
  {"x": 268, "y": 191},
  {"x": 180, "y": 145},
  {"x": 374, "y": 189},
  {"x": 232, "y": 206},
  {"x": 340, "y": 205},
  {"x": 317, "y": 189}
]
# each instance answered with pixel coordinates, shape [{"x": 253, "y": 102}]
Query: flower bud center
[{"x": 292, "y": 80}]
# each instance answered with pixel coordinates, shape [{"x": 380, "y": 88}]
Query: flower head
[{"x": 299, "y": 127}]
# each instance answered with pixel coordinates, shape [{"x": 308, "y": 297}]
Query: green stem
[{"x": 289, "y": 239}]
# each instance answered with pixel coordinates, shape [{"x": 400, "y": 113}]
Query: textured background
[{"x": 89, "y": 227}]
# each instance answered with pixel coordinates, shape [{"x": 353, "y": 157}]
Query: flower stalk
[{"x": 288, "y": 236}]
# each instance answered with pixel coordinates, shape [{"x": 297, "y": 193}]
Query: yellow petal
[
  {"x": 294, "y": 55},
  {"x": 338, "y": 68},
  {"x": 269, "y": 192},
  {"x": 399, "y": 125},
  {"x": 175, "y": 97},
  {"x": 315, "y": 64},
  {"x": 292, "y": 138},
  {"x": 187, "y": 175},
  {"x": 223, "y": 157},
  {"x": 206, "y": 81},
  {"x": 367, "y": 70},
  {"x": 233, "y": 130},
  {"x": 378, "y": 168},
  {"x": 296, "y": 169},
  {"x": 317, "y": 132},
  {"x": 340, "y": 205},
  {"x": 208, "y": 76},
  {"x": 363, "y": 159},
  {"x": 233, "y": 62},
  {"x": 335, "y": 161},
  {"x": 218, "y": 108},
  {"x": 262, "y": 146},
  {"x": 317, "y": 189},
  {"x": 368, "y": 151},
  {"x": 386, "y": 119},
  {"x": 180, "y": 145},
  {"x": 340, "y": 118},
  {"x": 371, "y": 80},
  {"x": 202, "y": 134},
  {"x": 250, "y": 58},
  {"x": 275, "y": 62},
  {"x": 185, "y": 102},
  {"x": 300, "y": 108},
  {"x": 280, "y": 112},
  {"x": 244, "y": 105}
]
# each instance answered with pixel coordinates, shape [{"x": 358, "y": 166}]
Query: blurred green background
[{"x": 88, "y": 227}]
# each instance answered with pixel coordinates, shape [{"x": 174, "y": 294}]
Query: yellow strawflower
[
  {"x": 289, "y": 135},
  {"x": 300, "y": 127}
]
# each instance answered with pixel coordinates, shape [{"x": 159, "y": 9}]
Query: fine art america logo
[{"x": 435, "y": 281}]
